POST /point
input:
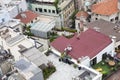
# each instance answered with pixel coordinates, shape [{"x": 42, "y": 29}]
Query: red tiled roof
[
  {"x": 82, "y": 13},
  {"x": 90, "y": 43},
  {"x": 106, "y": 7},
  {"x": 29, "y": 16}
]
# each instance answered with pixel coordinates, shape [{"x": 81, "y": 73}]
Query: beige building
[
  {"x": 61, "y": 12},
  {"x": 67, "y": 8}
]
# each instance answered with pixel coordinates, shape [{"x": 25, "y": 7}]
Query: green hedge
[{"x": 69, "y": 30}]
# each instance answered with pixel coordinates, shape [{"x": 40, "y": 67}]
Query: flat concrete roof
[
  {"x": 35, "y": 56},
  {"x": 106, "y": 28}
]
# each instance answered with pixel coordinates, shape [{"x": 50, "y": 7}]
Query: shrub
[
  {"x": 75, "y": 65},
  {"x": 69, "y": 30},
  {"x": 48, "y": 71}
]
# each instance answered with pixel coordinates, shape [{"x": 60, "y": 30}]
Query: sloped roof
[
  {"x": 26, "y": 16},
  {"x": 90, "y": 43},
  {"x": 106, "y": 7},
  {"x": 81, "y": 13}
]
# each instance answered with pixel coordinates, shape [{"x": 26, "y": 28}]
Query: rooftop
[
  {"x": 13, "y": 42},
  {"x": 106, "y": 7},
  {"x": 45, "y": 24},
  {"x": 9, "y": 4},
  {"x": 27, "y": 69},
  {"x": 35, "y": 56},
  {"x": 27, "y": 16},
  {"x": 13, "y": 23},
  {"x": 84, "y": 45},
  {"x": 106, "y": 28},
  {"x": 68, "y": 72},
  {"x": 81, "y": 13}
]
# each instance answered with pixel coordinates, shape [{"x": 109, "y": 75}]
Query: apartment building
[
  {"x": 61, "y": 10},
  {"x": 67, "y": 8}
]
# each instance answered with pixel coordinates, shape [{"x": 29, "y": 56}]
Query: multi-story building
[
  {"x": 61, "y": 10},
  {"x": 67, "y": 8}
]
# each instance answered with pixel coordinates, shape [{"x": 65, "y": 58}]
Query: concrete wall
[
  {"x": 44, "y": 6},
  {"x": 107, "y": 18},
  {"x": 109, "y": 50},
  {"x": 39, "y": 33},
  {"x": 76, "y": 24}
]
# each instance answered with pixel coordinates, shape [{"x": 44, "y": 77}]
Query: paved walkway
[{"x": 115, "y": 76}]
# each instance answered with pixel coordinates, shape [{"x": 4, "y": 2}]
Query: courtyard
[{"x": 109, "y": 69}]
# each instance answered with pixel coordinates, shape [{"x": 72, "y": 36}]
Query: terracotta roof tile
[
  {"x": 27, "y": 16},
  {"x": 82, "y": 13},
  {"x": 106, "y": 7}
]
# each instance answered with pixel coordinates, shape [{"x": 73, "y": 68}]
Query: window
[
  {"x": 36, "y": 9},
  {"x": 49, "y": 11},
  {"x": 40, "y": 9},
  {"x": 53, "y": 11},
  {"x": 31, "y": 21},
  {"x": 111, "y": 20},
  {"x": 45, "y": 10},
  {"x": 116, "y": 18}
]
